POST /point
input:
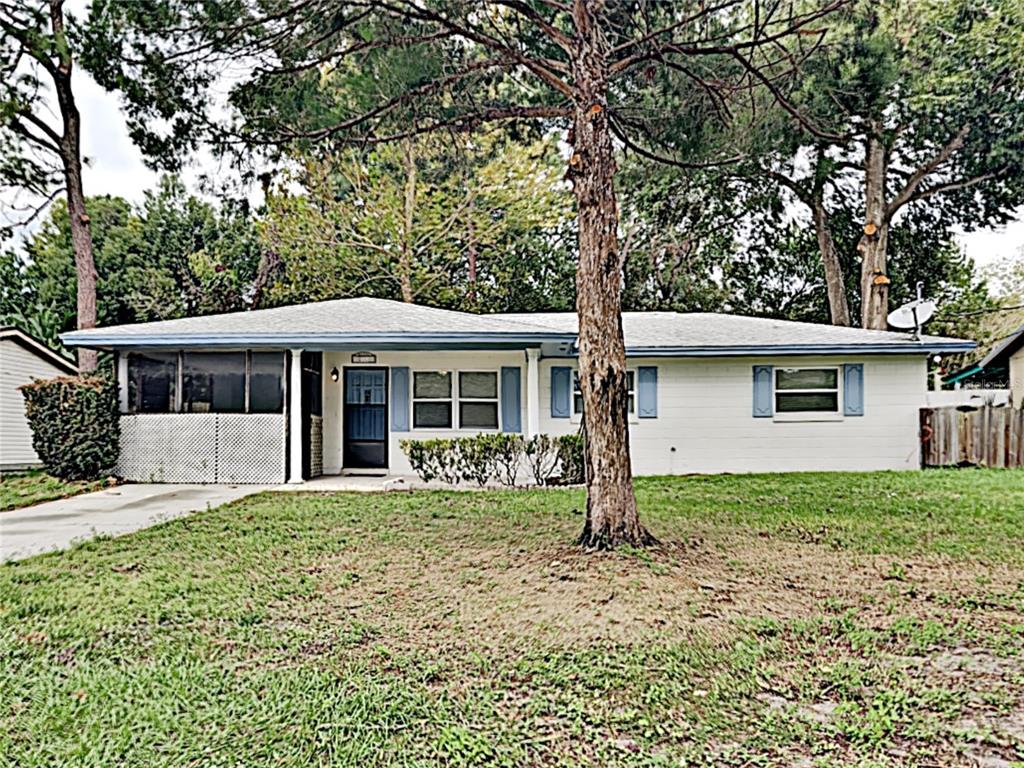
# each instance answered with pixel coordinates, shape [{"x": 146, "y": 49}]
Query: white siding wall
[
  {"x": 415, "y": 361},
  {"x": 18, "y": 366},
  {"x": 704, "y": 422}
]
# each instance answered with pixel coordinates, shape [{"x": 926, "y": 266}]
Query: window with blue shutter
[
  {"x": 763, "y": 391},
  {"x": 647, "y": 392},
  {"x": 399, "y": 399},
  {"x": 511, "y": 392},
  {"x": 853, "y": 389},
  {"x": 561, "y": 389}
]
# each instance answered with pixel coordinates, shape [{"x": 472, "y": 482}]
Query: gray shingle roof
[
  {"x": 338, "y": 321},
  {"x": 381, "y": 322},
  {"x": 714, "y": 332}
]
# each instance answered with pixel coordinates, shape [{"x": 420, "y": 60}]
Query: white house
[
  {"x": 22, "y": 359},
  {"x": 332, "y": 387}
]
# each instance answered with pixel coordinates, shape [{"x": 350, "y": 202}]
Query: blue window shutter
[
  {"x": 511, "y": 415},
  {"x": 399, "y": 399},
  {"x": 647, "y": 392},
  {"x": 763, "y": 406},
  {"x": 853, "y": 389},
  {"x": 561, "y": 382}
]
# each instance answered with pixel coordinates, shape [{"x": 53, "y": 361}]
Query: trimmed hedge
[
  {"x": 75, "y": 426},
  {"x": 497, "y": 458}
]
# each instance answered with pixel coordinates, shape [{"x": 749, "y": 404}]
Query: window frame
[
  {"x": 178, "y": 378},
  {"x": 451, "y": 399},
  {"x": 808, "y": 415},
  {"x": 174, "y": 382},
  {"x": 631, "y": 415},
  {"x": 459, "y": 399}
]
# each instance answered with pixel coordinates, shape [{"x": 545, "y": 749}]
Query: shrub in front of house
[
  {"x": 74, "y": 422},
  {"x": 497, "y": 458}
]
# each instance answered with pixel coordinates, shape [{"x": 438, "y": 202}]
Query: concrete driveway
[{"x": 122, "y": 509}]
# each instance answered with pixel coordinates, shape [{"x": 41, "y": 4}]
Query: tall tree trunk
[
  {"x": 71, "y": 158},
  {"x": 834, "y": 284},
  {"x": 471, "y": 253},
  {"x": 873, "y": 245},
  {"x": 409, "y": 211},
  {"x": 612, "y": 517}
]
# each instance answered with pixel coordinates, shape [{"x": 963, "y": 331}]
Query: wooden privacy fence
[{"x": 986, "y": 436}]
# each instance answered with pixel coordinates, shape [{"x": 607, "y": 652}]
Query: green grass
[
  {"x": 867, "y": 620},
  {"x": 23, "y": 489}
]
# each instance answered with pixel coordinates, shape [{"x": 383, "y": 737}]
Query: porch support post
[
  {"x": 295, "y": 418},
  {"x": 532, "y": 392},
  {"x": 122, "y": 381}
]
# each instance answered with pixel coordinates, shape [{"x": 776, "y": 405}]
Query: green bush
[
  {"x": 75, "y": 428},
  {"x": 499, "y": 457},
  {"x": 570, "y": 459},
  {"x": 435, "y": 459}
]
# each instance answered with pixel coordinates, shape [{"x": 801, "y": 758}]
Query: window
[
  {"x": 432, "y": 399},
  {"x": 577, "y": 393},
  {"x": 213, "y": 382},
  {"x": 478, "y": 399},
  {"x": 266, "y": 374},
  {"x": 152, "y": 382},
  {"x": 800, "y": 390}
]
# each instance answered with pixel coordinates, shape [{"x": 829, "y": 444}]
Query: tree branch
[
  {"x": 554, "y": 34},
  {"x": 910, "y": 189}
]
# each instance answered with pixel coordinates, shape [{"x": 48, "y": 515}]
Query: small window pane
[
  {"x": 478, "y": 385},
  {"x": 265, "y": 386},
  {"x": 214, "y": 382},
  {"x": 807, "y": 378},
  {"x": 430, "y": 384},
  {"x": 152, "y": 378},
  {"x": 577, "y": 403},
  {"x": 630, "y": 381},
  {"x": 432, "y": 414},
  {"x": 479, "y": 415},
  {"x": 807, "y": 401}
]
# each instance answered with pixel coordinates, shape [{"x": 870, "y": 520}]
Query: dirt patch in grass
[{"x": 488, "y": 597}]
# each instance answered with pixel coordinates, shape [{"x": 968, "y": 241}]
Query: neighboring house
[
  {"x": 330, "y": 387},
  {"x": 1003, "y": 365},
  {"x": 22, "y": 359}
]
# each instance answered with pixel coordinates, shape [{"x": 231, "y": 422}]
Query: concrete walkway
[{"x": 125, "y": 508}]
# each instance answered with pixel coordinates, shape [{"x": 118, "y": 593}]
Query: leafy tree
[
  {"x": 40, "y": 152},
  {"x": 910, "y": 109},
  {"x": 605, "y": 71},
  {"x": 173, "y": 256},
  {"x": 410, "y": 222}
]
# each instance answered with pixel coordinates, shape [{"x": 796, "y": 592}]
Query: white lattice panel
[
  {"x": 202, "y": 448},
  {"x": 316, "y": 446},
  {"x": 168, "y": 448},
  {"x": 250, "y": 448}
]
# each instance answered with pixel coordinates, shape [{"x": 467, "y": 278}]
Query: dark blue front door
[{"x": 366, "y": 428}]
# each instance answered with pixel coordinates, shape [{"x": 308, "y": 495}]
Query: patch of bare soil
[{"x": 476, "y": 596}]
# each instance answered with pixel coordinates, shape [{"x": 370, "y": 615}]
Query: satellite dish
[{"x": 913, "y": 314}]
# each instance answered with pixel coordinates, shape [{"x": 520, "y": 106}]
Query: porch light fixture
[{"x": 334, "y": 373}]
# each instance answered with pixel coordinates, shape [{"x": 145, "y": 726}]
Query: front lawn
[
  {"x": 23, "y": 489},
  {"x": 800, "y": 620}
]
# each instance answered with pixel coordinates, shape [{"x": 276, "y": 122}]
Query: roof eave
[
  {"x": 802, "y": 349},
  {"x": 314, "y": 341}
]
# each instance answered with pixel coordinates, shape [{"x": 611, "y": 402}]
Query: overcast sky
[{"x": 115, "y": 167}]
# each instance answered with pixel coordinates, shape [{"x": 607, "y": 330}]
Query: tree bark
[
  {"x": 873, "y": 245},
  {"x": 612, "y": 517},
  {"x": 71, "y": 158},
  {"x": 409, "y": 211},
  {"x": 838, "y": 306}
]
